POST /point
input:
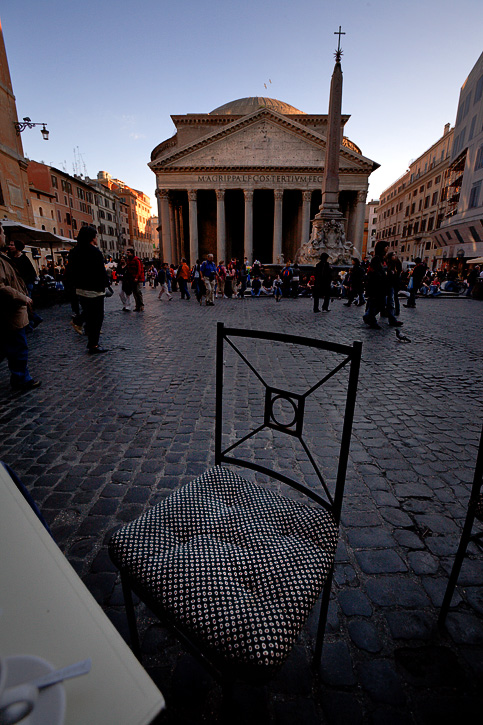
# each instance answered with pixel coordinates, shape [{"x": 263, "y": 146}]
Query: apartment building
[
  {"x": 413, "y": 208},
  {"x": 139, "y": 211},
  {"x": 461, "y": 233},
  {"x": 43, "y": 209},
  {"x": 153, "y": 225},
  {"x": 63, "y": 204},
  {"x": 72, "y": 199},
  {"x": 370, "y": 228},
  {"x": 112, "y": 219}
]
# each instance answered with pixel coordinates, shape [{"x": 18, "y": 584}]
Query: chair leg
[
  {"x": 131, "y": 616},
  {"x": 324, "y": 608},
  {"x": 227, "y": 702},
  {"x": 458, "y": 562}
]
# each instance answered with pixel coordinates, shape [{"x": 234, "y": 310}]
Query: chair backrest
[
  {"x": 278, "y": 410},
  {"x": 476, "y": 497}
]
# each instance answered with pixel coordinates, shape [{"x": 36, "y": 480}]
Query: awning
[
  {"x": 476, "y": 260},
  {"x": 31, "y": 235}
]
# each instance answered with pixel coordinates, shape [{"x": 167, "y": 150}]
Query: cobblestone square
[{"x": 106, "y": 437}]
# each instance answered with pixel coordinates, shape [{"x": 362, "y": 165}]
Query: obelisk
[
  {"x": 329, "y": 209},
  {"x": 328, "y": 233}
]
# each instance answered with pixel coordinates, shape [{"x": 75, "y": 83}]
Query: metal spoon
[{"x": 52, "y": 678}]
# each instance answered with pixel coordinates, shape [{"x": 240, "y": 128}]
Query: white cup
[{"x": 15, "y": 702}]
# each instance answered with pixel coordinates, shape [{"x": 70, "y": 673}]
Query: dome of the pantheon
[{"x": 243, "y": 106}]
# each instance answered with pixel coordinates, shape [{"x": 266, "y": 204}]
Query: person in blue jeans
[
  {"x": 24, "y": 269},
  {"x": 417, "y": 276},
  {"x": 277, "y": 288},
  {"x": 14, "y": 318},
  {"x": 256, "y": 287},
  {"x": 208, "y": 277},
  {"x": 379, "y": 299}
]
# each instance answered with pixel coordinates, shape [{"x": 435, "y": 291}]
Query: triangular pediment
[{"x": 261, "y": 139}]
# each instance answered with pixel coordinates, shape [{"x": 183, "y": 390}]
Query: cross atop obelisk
[{"x": 338, "y": 52}]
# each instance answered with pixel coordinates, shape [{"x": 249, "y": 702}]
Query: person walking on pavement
[
  {"x": 220, "y": 278},
  {"x": 90, "y": 280},
  {"x": 376, "y": 289},
  {"x": 197, "y": 282},
  {"x": 208, "y": 276},
  {"x": 393, "y": 272},
  {"x": 127, "y": 285},
  {"x": 472, "y": 279},
  {"x": 163, "y": 282},
  {"x": 136, "y": 270},
  {"x": 183, "y": 278},
  {"x": 25, "y": 269},
  {"x": 14, "y": 318},
  {"x": 356, "y": 284},
  {"x": 419, "y": 272},
  {"x": 377, "y": 294},
  {"x": 323, "y": 283}
]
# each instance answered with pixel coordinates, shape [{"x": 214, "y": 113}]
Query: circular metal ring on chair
[{"x": 272, "y": 414}]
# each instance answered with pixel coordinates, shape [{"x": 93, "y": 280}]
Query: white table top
[{"x": 45, "y": 610}]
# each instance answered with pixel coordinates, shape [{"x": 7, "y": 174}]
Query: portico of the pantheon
[{"x": 245, "y": 181}]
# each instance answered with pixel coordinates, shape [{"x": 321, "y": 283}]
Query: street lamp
[{"x": 27, "y": 123}]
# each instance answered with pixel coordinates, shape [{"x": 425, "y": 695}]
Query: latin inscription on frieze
[{"x": 260, "y": 178}]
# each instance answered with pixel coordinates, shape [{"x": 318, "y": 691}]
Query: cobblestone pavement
[{"x": 106, "y": 437}]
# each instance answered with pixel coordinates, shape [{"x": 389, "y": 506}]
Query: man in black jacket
[
  {"x": 89, "y": 279},
  {"x": 323, "y": 283}
]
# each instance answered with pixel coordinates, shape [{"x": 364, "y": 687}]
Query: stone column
[
  {"x": 193, "y": 212},
  {"x": 159, "y": 230},
  {"x": 307, "y": 198},
  {"x": 359, "y": 221},
  {"x": 179, "y": 238},
  {"x": 165, "y": 246},
  {"x": 350, "y": 216},
  {"x": 277, "y": 226},
  {"x": 173, "y": 258},
  {"x": 248, "y": 237},
  {"x": 220, "y": 226}
]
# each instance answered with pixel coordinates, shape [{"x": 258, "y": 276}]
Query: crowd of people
[
  {"x": 207, "y": 281},
  {"x": 86, "y": 278}
]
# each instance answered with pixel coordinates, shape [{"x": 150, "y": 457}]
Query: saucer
[{"x": 50, "y": 707}]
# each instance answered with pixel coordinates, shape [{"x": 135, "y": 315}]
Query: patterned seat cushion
[{"x": 236, "y": 566}]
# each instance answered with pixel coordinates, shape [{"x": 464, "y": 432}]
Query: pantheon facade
[{"x": 245, "y": 181}]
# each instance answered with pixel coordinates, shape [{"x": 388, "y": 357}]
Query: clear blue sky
[{"x": 106, "y": 75}]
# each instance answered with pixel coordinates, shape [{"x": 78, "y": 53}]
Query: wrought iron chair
[
  {"x": 475, "y": 511},
  {"x": 232, "y": 566}
]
